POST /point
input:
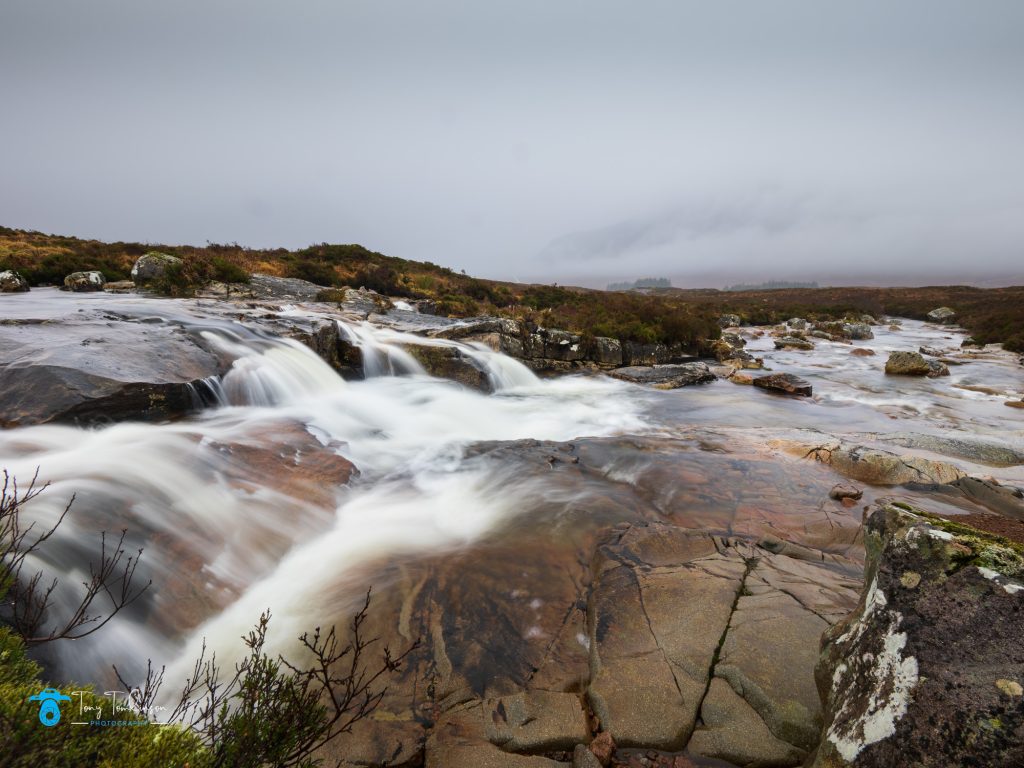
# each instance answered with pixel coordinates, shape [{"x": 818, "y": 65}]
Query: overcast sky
[{"x": 545, "y": 140}]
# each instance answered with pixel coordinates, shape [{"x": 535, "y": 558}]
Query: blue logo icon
[{"x": 49, "y": 709}]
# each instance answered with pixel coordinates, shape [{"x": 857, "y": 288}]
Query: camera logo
[{"x": 49, "y": 709}]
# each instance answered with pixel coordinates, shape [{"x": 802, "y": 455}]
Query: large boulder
[
  {"x": 943, "y": 315},
  {"x": 928, "y": 669},
  {"x": 152, "y": 266},
  {"x": 83, "y": 282},
  {"x": 666, "y": 376},
  {"x": 12, "y": 282},
  {"x": 786, "y": 383}
]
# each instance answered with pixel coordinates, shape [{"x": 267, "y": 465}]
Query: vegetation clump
[{"x": 265, "y": 711}]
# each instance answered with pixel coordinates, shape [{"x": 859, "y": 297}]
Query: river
[{"x": 243, "y": 506}]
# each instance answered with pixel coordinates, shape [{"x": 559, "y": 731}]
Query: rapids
[{"x": 227, "y": 533}]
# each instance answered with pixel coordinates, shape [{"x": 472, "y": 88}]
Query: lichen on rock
[{"x": 912, "y": 676}]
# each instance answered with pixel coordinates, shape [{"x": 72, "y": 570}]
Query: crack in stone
[
  {"x": 657, "y": 642},
  {"x": 751, "y": 563}
]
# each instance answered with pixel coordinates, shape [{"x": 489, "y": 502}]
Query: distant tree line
[
  {"x": 771, "y": 285},
  {"x": 643, "y": 282}
]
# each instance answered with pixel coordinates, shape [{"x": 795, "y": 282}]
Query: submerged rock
[
  {"x": 82, "y": 282},
  {"x": 786, "y": 383},
  {"x": 152, "y": 266},
  {"x": 666, "y": 376},
  {"x": 12, "y": 282},
  {"x": 942, "y": 315},
  {"x": 926, "y": 671},
  {"x": 862, "y": 352}
]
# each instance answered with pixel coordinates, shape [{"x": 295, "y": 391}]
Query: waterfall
[
  {"x": 224, "y": 526},
  {"x": 384, "y": 354}
]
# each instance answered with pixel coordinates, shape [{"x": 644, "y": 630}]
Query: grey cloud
[{"x": 671, "y": 136}]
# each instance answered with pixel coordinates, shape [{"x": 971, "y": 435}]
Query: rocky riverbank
[{"x": 603, "y": 570}]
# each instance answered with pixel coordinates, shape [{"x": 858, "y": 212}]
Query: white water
[
  {"x": 259, "y": 547},
  {"x": 256, "y": 544}
]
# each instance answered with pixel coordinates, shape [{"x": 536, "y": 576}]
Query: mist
[{"x": 560, "y": 142}]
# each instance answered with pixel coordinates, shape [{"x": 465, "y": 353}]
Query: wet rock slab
[
  {"x": 785, "y": 383},
  {"x": 666, "y": 376},
  {"x": 98, "y": 368}
]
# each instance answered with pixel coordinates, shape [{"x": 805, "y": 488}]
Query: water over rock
[
  {"x": 99, "y": 369},
  {"x": 927, "y": 671}
]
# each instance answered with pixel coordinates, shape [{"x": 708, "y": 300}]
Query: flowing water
[{"x": 243, "y": 507}]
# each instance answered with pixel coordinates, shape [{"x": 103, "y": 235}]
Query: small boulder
[
  {"x": 152, "y": 266},
  {"x": 869, "y": 320},
  {"x": 1015, "y": 403},
  {"x": 907, "y": 364},
  {"x": 943, "y": 315},
  {"x": 83, "y": 282},
  {"x": 792, "y": 342},
  {"x": 931, "y": 351},
  {"x": 12, "y": 282},
  {"x": 937, "y": 368},
  {"x": 786, "y": 383},
  {"x": 841, "y": 491},
  {"x": 797, "y": 323}
]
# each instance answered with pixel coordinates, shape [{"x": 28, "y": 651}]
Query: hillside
[{"x": 666, "y": 315}]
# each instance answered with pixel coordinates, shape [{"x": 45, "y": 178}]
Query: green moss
[
  {"x": 30, "y": 744},
  {"x": 986, "y": 550}
]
